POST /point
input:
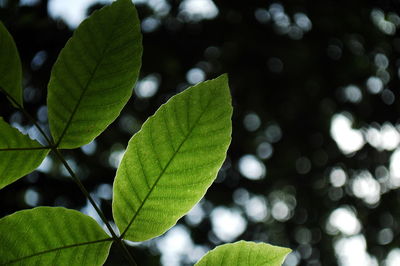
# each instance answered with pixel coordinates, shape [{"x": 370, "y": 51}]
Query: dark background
[{"x": 288, "y": 79}]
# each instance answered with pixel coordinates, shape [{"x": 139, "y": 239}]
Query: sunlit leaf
[
  {"x": 19, "y": 155},
  {"x": 52, "y": 236},
  {"x": 10, "y": 66},
  {"x": 245, "y": 253},
  {"x": 94, "y": 75},
  {"x": 170, "y": 163}
]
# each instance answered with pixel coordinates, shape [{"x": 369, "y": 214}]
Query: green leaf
[
  {"x": 244, "y": 253},
  {"x": 52, "y": 236},
  {"x": 19, "y": 155},
  {"x": 170, "y": 163},
  {"x": 10, "y": 67},
  {"x": 94, "y": 75}
]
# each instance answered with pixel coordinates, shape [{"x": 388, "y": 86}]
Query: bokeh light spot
[
  {"x": 32, "y": 197},
  {"x": 195, "y": 75},
  {"x": 252, "y": 122},
  {"x": 90, "y": 148},
  {"x": 280, "y": 211},
  {"x": 227, "y": 224},
  {"x": 353, "y": 251},
  {"x": 366, "y": 187},
  {"x": 348, "y": 139},
  {"x": 251, "y": 167},
  {"x": 265, "y": 150},
  {"x": 343, "y": 220},
  {"x": 147, "y": 86},
  {"x": 196, "y": 10},
  {"x": 393, "y": 258},
  {"x": 374, "y": 85},
  {"x": 337, "y": 177}
]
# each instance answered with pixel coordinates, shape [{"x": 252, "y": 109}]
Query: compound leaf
[
  {"x": 245, "y": 253},
  {"x": 52, "y": 236},
  {"x": 19, "y": 155},
  {"x": 94, "y": 75},
  {"x": 10, "y": 67},
  {"x": 170, "y": 163}
]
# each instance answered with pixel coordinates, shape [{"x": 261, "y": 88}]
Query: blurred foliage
[{"x": 290, "y": 65}]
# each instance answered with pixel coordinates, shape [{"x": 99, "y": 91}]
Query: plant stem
[
  {"x": 93, "y": 203},
  {"x": 22, "y": 109},
  {"x": 58, "y": 154}
]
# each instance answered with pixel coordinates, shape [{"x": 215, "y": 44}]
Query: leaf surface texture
[
  {"x": 10, "y": 66},
  {"x": 245, "y": 253},
  {"x": 170, "y": 163},
  {"x": 94, "y": 75},
  {"x": 19, "y": 155},
  {"x": 52, "y": 236}
]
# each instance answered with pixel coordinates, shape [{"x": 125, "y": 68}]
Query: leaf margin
[
  {"x": 280, "y": 253},
  {"x": 13, "y": 58}
]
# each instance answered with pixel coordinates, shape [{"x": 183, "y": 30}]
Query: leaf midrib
[
  {"x": 165, "y": 168},
  {"x": 79, "y": 102},
  {"x": 57, "y": 249}
]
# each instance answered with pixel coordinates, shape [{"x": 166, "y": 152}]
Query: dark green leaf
[
  {"x": 94, "y": 75},
  {"x": 10, "y": 67},
  {"x": 170, "y": 163},
  {"x": 52, "y": 236}
]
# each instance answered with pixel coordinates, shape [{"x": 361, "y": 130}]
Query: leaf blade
[
  {"x": 244, "y": 253},
  {"x": 10, "y": 67},
  {"x": 178, "y": 134},
  {"x": 52, "y": 236},
  {"x": 19, "y": 155},
  {"x": 94, "y": 75}
]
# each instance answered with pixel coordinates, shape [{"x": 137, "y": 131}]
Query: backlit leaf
[
  {"x": 244, "y": 253},
  {"x": 52, "y": 236},
  {"x": 170, "y": 163},
  {"x": 94, "y": 75},
  {"x": 10, "y": 66},
  {"x": 19, "y": 155}
]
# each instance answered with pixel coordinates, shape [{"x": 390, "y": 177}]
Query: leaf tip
[
  {"x": 284, "y": 255},
  {"x": 286, "y": 251},
  {"x": 223, "y": 78}
]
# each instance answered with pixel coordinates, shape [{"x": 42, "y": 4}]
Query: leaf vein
[
  {"x": 57, "y": 250},
  {"x": 132, "y": 185},
  {"x": 24, "y": 149},
  {"x": 168, "y": 130},
  {"x": 141, "y": 167},
  {"x": 152, "y": 146}
]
